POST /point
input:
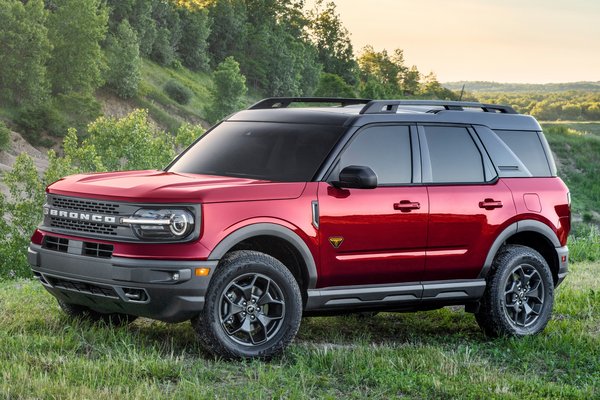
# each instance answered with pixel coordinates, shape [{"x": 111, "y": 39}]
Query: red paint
[{"x": 391, "y": 234}]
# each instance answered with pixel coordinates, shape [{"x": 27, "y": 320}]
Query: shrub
[
  {"x": 4, "y": 136},
  {"x": 178, "y": 92},
  {"x": 584, "y": 243}
]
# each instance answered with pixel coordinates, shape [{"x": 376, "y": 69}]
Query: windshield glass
[{"x": 261, "y": 150}]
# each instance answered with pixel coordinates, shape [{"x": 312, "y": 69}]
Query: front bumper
[{"x": 140, "y": 287}]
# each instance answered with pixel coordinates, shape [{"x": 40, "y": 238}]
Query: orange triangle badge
[{"x": 336, "y": 241}]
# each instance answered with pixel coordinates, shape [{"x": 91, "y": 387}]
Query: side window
[
  {"x": 527, "y": 146},
  {"x": 453, "y": 155},
  {"x": 384, "y": 149}
]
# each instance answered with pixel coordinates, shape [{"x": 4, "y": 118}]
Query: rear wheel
[
  {"x": 77, "y": 311},
  {"x": 519, "y": 295},
  {"x": 252, "y": 309}
]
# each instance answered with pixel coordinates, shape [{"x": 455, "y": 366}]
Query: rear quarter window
[{"x": 527, "y": 146}]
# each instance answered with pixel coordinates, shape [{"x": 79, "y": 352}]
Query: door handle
[
  {"x": 490, "y": 204},
  {"x": 407, "y": 205}
]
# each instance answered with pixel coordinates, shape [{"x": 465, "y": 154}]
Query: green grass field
[{"x": 436, "y": 354}]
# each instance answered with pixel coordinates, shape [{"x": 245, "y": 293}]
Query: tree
[
  {"x": 229, "y": 32},
  {"x": 228, "y": 91},
  {"x": 431, "y": 87},
  {"x": 332, "y": 41},
  {"x": 123, "y": 58},
  {"x": 24, "y": 50},
  {"x": 76, "y": 28},
  {"x": 410, "y": 81},
  {"x": 193, "y": 46},
  {"x": 168, "y": 32},
  {"x": 379, "y": 69},
  {"x": 331, "y": 85}
]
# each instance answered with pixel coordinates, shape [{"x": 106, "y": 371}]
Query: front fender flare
[{"x": 269, "y": 229}]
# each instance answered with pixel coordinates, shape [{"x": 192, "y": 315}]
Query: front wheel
[
  {"x": 519, "y": 295},
  {"x": 252, "y": 308}
]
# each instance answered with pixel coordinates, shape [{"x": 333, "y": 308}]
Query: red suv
[{"x": 339, "y": 206}]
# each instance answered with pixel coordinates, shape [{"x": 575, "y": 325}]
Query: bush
[
  {"x": 125, "y": 143},
  {"x": 228, "y": 91},
  {"x": 37, "y": 119},
  {"x": 178, "y": 92},
  {"x": 4, "y": 136}
]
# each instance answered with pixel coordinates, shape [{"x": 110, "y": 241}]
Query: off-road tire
[
  {"x": 76, "y": 311},
  {"x": 253, "y": 269},
  {"x": 500, "y": 302}
]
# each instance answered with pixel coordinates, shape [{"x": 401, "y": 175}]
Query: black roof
[{"x": 358, "y": 112}]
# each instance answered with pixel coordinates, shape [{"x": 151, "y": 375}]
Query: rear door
[
  {"x": 468, "y": 204},
  {"x": 375, "y": 236}
]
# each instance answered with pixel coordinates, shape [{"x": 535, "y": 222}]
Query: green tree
[
  {"x": 331, "y": 85},
  {"x": 168, "y": 32},
  {"x": 4, "y": 136},
  {"x": 193, "y": 45},
  {"x": 123, "y": 58},
  {"x": 228, "y": 91},
  {"x": 24, "y": 50},
  {"x": 76, "y": 28},
  {"x": 410, "y": 81},
  {"x": 431, "y": 87},
  {"x": 229, "y": 32},
  {"x": 332, "y": 41},
  {"x": 382, "y": 71}
]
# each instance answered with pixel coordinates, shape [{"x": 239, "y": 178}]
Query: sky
[{"x": 521, "y": 41}]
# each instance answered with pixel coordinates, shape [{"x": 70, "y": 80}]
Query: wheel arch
[
  {"x": 258, "y": 235},
  {"x": 530, "y": 233}
]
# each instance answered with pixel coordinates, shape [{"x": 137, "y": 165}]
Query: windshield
[{"x": 261, "y": 150}]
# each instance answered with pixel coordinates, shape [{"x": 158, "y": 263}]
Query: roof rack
[
  {"x": 284, "y": 102},
  {"x": 391, "y": 106}
]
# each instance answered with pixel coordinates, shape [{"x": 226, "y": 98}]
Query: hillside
[{"x": 486, "y": 86}]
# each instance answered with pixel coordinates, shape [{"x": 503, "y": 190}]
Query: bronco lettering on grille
[{"x": 80, "y": 216}]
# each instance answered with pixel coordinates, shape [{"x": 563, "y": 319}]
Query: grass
[
  {"x": 578, "y": 158},
  {"x": 436, "y": 354}
]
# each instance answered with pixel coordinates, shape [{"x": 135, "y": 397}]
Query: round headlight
[
  {"x": 161, "y": 224},
  {"x": 180, "y": 223}
]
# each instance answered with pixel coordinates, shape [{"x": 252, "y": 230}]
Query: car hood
[{"x": 159, "y": 187}]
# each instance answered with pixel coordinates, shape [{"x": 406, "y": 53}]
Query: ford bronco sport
[{"x": 329, "y": 206}]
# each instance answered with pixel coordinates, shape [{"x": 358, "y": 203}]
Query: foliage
[
  {"x": 35, "y": 119},
  {"x": 381, "y": 70},
  {"x": 193, "y": 46},
  {"x": 194, "y": 5},
  {"x": 178, "y": 92},
  {"x": 4, "y": 136},
  {"x": 332, "y": 41},
  {"x": 331, "y": 85},
  {"x": 229, "y": 31},
  {"x": 24, "y": 51},
  {"x": 229, "y": 89},
  {"x": 123, "y": 57},
  {"x": 548, "y": 106},
  {"x": 431, "y": 87},
  {"x": 111, "y": 144},
  {"x": 76, "y": 28},
  {"x": 438, "y": 354}
]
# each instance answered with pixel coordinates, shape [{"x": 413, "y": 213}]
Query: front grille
[
  {"x": 82, "y": 287},
  {"x": 83, "y": 226},
  {"x": 99, "y": 207},
  {"x": 97, "y": 250},
  {"x": 56, "y": 244}
]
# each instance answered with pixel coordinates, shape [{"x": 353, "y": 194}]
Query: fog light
[
  {"x": 202, "y": 271},
  {"x": 175, "y": 276}
]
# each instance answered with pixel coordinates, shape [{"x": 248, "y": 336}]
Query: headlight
[{"x": 170, "y": 224}]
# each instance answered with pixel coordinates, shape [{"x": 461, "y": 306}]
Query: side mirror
[{"x": 356, "y": 177}]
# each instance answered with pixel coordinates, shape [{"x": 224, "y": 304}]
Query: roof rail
[
  {"x": 391, "y": 106},
  {"x": 284, "y": 102}
]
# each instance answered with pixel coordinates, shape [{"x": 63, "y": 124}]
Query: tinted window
[
  {"x": 453, "y": 154},
  {"x": 527, "y": 146},
  {"x": 384, "y": 149},
  {"x": 261, "y": 150}
]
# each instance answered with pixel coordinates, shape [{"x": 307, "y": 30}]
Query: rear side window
[
  {"x": 453, "y": 155},
  {"x": 384, "y": 149},
  {"x": 527, "y": 146}
]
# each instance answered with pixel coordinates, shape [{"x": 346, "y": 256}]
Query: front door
[{"x": 374, "y": 236}]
